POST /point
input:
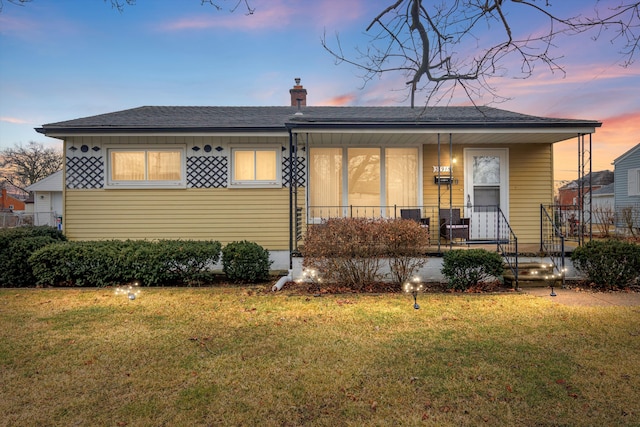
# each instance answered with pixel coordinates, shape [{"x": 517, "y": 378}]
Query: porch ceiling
[{"x": 418, "y": 138}]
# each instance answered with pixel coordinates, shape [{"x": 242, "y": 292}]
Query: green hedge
[
  {"x": 245, "y": 262},
  {"x": 608, "y": 263},
  {"x": 465, "y": 269},
  {"x": 16, "y": 246},
  {"x": 113, "y": 262}
]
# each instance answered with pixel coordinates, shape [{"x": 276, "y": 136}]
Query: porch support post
[
  {"x": 450, "y": 189},
  {"x": 439, "y": 199},
  {"x": 590, "y": 190}
]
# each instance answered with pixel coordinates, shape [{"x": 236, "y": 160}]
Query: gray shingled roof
[
  {"x": 605, "y": 190},
  {"x": 604, "y": 177},
  {"x": 199, "y": 119}
]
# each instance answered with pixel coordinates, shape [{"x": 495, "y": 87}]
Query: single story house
[
  {"x": 627, "y": 191},
  {"x": 47, "y": 200},
  {"x": 265, "y": 173}
]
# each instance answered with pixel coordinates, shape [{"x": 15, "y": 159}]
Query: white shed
[{"x": 47, "y": 200}]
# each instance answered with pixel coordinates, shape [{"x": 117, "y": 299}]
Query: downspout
[
  {"x": 281, "y": 281},
  {"x": 291, "y": 207}
]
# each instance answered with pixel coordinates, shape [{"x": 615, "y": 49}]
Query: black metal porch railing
[
  {"x": 486, "y": 225},
  {"x": 507, "y": 243},
  {"x": 553, "y": 228}
]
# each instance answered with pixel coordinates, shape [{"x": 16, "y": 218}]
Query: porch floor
[{"x": 524, "y": 249}]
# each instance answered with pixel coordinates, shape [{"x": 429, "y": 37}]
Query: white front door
[{"x": 486, "y": 187}]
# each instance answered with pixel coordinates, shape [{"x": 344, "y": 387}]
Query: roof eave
[{"x": 61, "y": 132}]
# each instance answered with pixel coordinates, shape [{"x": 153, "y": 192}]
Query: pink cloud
[
  {"x": 340, "y": 101},
  {"x": 13, "y": 120},
  {"x": 617, "y": 135},
  {"x": 278, "y": 14}
]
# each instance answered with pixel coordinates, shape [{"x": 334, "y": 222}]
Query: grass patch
[{"x": 241, "y": 356}]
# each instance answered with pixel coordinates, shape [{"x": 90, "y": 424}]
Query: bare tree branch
[
  {"x": 22, "y": 166},
  {"x": 461, "y": 44}
]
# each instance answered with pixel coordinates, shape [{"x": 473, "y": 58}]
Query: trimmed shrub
[
  {"x": 113, "y": 262},
  {"x": 405, "y": 243},
  {"x": 245, "y": 262},
  {"x": 16, "y": 246},
  {"x": 345, "y": 250},
  {"x": 466, "y": 268},
  {"x": 608, "y": 263},
  {"x": 349, "y": 251}
]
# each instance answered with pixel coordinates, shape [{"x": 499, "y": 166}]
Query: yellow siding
[
  {"x": 430, "y": 190},
  {"x": 259, "y": 215},
  {"x": 530, "y": 184}
]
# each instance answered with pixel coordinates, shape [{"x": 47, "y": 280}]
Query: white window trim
[
  {"x": 182, "y": 183},
  {"x": 277, "y": 183}
]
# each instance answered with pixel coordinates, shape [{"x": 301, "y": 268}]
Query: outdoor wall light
[{"x": 413, "y": 288}]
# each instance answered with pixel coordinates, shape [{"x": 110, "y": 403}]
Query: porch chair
[
  {"x": 415, "y": 215},
  {"x": 453, "y": 227}
]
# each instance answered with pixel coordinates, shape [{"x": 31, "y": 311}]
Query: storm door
[{"x": 486, "y": 191}]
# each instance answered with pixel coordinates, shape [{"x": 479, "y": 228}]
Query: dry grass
[{"x": 241, "y": 356}]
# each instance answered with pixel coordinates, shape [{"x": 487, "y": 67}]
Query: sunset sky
[{"x": 65, "y": 59}]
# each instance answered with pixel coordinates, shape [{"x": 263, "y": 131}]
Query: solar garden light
[
  {"x": 131, "y": 291},
  {"x": 413, "y": 288},
  {"x": 309, "y": 275},
  {"x": 552, "y": 279}
]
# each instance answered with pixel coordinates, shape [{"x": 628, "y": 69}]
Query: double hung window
[{"x": 145, "y": 167}]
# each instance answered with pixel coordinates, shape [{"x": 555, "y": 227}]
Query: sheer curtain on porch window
[
  {"x": 325, "y": 182},
  {"x": 364, "y": 181},
  {"x": 127, "y": 165},
  {"x": 401, "y": 167}
]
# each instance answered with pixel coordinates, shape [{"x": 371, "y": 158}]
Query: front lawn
[{"x": 246, "y": 356}]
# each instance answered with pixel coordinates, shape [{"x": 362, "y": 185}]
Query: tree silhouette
[
  {"x": 442, "y": 46},
  {"x": 22, "y": 166}
]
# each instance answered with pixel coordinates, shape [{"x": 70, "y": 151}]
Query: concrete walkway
[{"x": 585, "y": 298}]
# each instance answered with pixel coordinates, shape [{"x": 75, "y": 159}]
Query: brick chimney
[{"x": 298, "y": 94}]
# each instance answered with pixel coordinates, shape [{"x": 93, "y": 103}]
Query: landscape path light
[
  {"x": 413, "y": 287},
  {"x": 554, "y": 277},
  {"x": 309, "y": 275},
  {"x": 131, "y": 291}
]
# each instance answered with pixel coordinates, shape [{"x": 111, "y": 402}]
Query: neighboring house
[
  {"x": 627, "y": 191},
  {"x": 603, "y": 210},
  {"x": 264, "y": 173},
  {"x": 9, "y": 203},
  {"x": 568, "y": 194},
  {"x": 47, "y": 200},
  {"x": 603, "y": 200},
  {"x": 11, "y": 210}
]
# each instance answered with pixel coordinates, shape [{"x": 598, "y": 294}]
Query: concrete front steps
[{"x": 532, "y": 274}]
